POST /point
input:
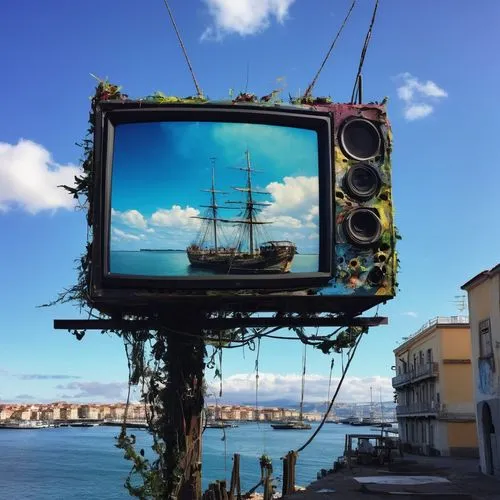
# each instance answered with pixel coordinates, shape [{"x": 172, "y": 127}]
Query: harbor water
[{"x": 83, "y": 463}]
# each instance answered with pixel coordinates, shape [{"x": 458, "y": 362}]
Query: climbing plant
[{"x": 152, "y": 367}]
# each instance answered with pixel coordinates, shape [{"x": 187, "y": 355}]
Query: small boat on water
[
  {"x": 84, "y": 424},
  {"x": 220, "y": 425},
  {"x": 24, "y": 424},
  {"x": 287, "y": 426},
  {"x": 296, "y": 425}
]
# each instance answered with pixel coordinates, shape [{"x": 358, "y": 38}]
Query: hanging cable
[
  {"x": 198, "y": 89},
  {"x": 314, "y": 434},
  {"x": 309, "y": 89},
  {"x": 330, "y": 380},
  {"x": 357, "y": 81}
]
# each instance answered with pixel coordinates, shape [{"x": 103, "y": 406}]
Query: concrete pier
[{"x": 451, "y": 478}]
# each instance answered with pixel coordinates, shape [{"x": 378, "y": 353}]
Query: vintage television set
[{"x": 269, "y": 206}]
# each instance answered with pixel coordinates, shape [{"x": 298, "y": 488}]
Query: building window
[
  {"x": 485, "y": 347},
  {"x": 429, "y": 356}
]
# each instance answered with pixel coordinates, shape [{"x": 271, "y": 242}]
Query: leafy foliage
[{"x": 168, "y": 364}]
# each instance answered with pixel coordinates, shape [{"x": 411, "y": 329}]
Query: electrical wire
[{"x": 314, "y": 434}]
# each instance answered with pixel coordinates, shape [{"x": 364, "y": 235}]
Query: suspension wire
[
  {"x": 330, "y": 379},
  {"x": 309, "y": 89},
  {"x": 339, "y": 385},
  {"x": 198, "y": 89},
  {"x": 357, "y": 81}
]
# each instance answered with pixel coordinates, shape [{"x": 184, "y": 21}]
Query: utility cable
[
  {"x": 309, "y": 89},
  {"x": 314, "y": 434},
  {"x": 357, "y": 82}
]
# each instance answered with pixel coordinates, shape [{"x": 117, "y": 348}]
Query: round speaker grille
[
  {"x": 362, "y": 181},
  {"x": 360, "y": 139},
  {"x": 362, "y": 227}
]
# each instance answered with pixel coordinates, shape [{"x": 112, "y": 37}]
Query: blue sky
[
  {"x": 161, "y": 172},
  {"x": 434, "y": 61}
]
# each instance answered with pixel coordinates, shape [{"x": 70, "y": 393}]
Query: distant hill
[{"x": 341, "y": 409}]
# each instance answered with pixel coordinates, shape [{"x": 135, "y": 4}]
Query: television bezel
[{"x": 112, "y": 113}]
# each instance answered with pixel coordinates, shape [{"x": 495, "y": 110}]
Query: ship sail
[{"x": 244, "y": 254}]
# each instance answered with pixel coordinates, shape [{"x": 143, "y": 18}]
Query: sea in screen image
[{"x": 208, "y": 198}]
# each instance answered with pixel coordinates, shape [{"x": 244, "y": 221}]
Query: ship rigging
[{"x": 245, "y": 255}]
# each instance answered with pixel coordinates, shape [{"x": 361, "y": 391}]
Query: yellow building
[
  {"x": 484, "y": 314},
  {"x": 435, "y": 397}
]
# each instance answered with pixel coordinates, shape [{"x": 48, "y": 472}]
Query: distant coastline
[{"x": 160, "y": 250}]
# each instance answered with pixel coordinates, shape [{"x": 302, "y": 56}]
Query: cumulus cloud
[
  {"x": 243, "y": 17},
  {"x": 294, "y": 204},
  {"x": 119, "y": 235},
  {"x": 241, "y": 387},
  {"x": 176, "y": 217},
  {"x": 418, "y": 96},
  {"x": 29, "y": 178},
  {"x": 108, "y": 390},
  {"x": 131, "y": 218}
]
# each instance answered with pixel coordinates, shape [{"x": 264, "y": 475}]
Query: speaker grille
[
  {"x": 360, "y": 139},
  {"x": 362, "y": 227},
  {"x": 362, "y": 181}
]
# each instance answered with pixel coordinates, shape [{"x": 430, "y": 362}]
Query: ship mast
[
  {"x": 214, "y": 206},
  {"x": 250, "y": 206},
  {"x": 212, "y": 212},
  {"x": 303, "y": 384},
  {"x": 249, "y": 200}
]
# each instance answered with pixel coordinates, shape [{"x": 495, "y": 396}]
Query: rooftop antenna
[
  {"x": 199, "y": 92},
  {"x": 357, "y": 89},
  {"x": 461, "y": 302},
  {"x": 309, "y": 89}
]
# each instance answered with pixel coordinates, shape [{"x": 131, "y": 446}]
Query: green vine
[{"x": 168, "y": 365}]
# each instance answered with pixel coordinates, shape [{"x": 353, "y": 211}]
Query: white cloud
[
  {"x": 243, "y": 17},
  {"x": 29, "y": 178},
  {"x": 412, "y": 314},
  {"x": 119, "y": 235},
  {"x": 416, "y": 111},
  {"x": 131, "y": 218},
  {"x": 294, "y": 197},
  {"x": 418, "y": 96},
  {"x": 241, "y": 387},
  {"x": 176, "y": 217}
]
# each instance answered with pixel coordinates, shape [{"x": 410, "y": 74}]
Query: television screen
[{"x": 213, "y": 198}]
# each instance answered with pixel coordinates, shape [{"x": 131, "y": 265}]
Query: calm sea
[
  {"x": 177, "y": 264},
  {"x": 83, "y": 463}
]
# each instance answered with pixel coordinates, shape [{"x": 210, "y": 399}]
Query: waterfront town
[
  {"x": 63, "y": 411},
  {"x": 446, "y": 390}
]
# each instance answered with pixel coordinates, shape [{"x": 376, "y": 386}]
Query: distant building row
[
  {"x": 447, "y": 384},
  {"x": 68, "y": 411},
  {"x": 250, "y": 413}
]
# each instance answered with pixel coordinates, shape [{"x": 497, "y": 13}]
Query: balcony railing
[
  {"x": 417, "y": 408},
  {"x": 420, "y": 372},
  {"x": 440, "y": 320},
  {"x": 464, "y": 412}
]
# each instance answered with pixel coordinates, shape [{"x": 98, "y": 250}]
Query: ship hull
[
  {"x": 271, "y": 259},
  {"x": 291, "y": 426}
]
